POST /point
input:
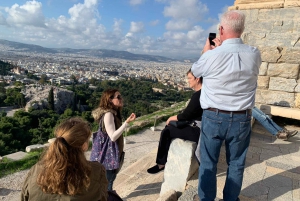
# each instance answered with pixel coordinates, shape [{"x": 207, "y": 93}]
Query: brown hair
[
  {"x": 65, "y": 168},
  {"x": 105, "y": 100},
  {"x": 106, "y": 103},
  {"x": 190, "y": 71}
]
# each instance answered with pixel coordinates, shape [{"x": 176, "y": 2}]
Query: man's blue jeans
[
  {"x": 266, "y": 121},
  {"x": 235, "y": 129}
]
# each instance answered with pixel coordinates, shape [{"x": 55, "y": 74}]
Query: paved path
[{"x": 9, "y": 110}]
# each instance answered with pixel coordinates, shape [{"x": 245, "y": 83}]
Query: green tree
[
  {"x": 79, "y": 106},
  {"x": 43, "y": 79},
  {"x": 74, "y": 79},
  {"x": 93, "y": 81},
  {"x": 74, "y": 107},
  {"x": 51, "y": 99}
]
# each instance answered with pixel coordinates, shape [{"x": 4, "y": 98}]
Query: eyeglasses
[{"x": 119, "y": 97}]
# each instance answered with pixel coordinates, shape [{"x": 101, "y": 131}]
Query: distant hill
[{"x": 101, "y": 53}]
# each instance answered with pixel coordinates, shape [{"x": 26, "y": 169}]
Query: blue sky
[{"x": 172, "y": 28}]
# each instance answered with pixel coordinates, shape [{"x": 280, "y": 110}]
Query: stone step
[
  {"x": 134, "y": 183},
  {"x": 16, "y": 156}
]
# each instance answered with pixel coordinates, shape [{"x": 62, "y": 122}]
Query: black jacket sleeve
[{"x": 193, "y": 111}]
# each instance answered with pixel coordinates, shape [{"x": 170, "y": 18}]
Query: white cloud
[
  {"x": 195, "y": 34},
  {"x": 29, "y": 14},
  {"x": 117, "y": 26},
  {"x": 182, "y": 24},
  {"x": 136, "y": 2},
  {"x": 80, "y": 28},
  {"x": 187, "y": 9},
  {"x": 2, "y": 19},
  {"x": 136, "y": 27},
  {"x": 154, "y": 22}
]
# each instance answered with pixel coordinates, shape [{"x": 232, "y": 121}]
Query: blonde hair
[{"x": 65, "y": 168}]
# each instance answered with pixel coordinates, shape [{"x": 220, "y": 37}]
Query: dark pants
[
  {"x": 190, "y": 133},
  {"x": 111, "y": 176}
]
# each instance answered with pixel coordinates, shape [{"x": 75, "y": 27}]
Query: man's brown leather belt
[{"x": 228, "y": 112}]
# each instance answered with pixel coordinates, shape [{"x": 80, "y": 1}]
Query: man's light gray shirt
[{"x": 229, "y": 76}]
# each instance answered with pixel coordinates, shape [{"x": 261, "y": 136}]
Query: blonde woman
[{"x": 63, "y": 173}]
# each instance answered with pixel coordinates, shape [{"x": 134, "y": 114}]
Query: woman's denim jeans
[
  {"x": 235, "y": 130},
  {"x": 266, "y": 121},
  {"x": 111, "y": 176}
]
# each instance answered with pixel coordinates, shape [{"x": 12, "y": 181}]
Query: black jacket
[{"x": 193, "y": 111}]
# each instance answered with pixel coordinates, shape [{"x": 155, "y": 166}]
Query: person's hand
[
  {"x": 207, "y": 46},
  {"x": 217, "y": 42},
  {"x": 131, "y": 118},
  {"x": 172, "y": 118}
]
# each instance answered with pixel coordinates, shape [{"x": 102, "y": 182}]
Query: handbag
[
  {"x": 180, "y": 124},
  {"x": 104, "y": 150}
]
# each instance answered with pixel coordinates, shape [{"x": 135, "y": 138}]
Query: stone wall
[{"x": 274, "y": 27}]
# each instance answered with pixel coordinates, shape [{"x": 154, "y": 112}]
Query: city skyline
[{"x": 172, "y": 28}]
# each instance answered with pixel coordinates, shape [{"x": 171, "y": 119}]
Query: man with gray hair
[{"x": 229, "y": 70}]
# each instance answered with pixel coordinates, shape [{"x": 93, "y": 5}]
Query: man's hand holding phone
[{"x": 212, "y": 42}]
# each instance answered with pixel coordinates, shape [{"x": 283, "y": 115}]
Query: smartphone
[{"x": 211, "y": 37}]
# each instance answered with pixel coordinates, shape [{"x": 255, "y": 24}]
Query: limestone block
[
  {"x": 35, "y": 147},
  {"x": 279, "y": 98},
  {"x": 270, "y": 54},
  {"x": 255, "y": 38},
  {"x": 279, "y": 39},
  {"x": 252, "y": 15},
  {"x": 263, "y": 82},
  {"x": 297, "y": 88},
  {"x": 255, "y": 1},
  {"x": 51, "y": 140},
  {"x": 292, "y": 3},
  {"x": 292, "y": 113},
  {"x": 168, "y": 196},
  {"x": 47, "y": 145},
  {"x": 290, "y": 14},
  {"x": 282, "y": 84},
  {"x": 16, "y": 156},
  {"x": 263, "y": 68},
  {"x": 285, "y": 70},
  {"x": 290, "y": 55},
  {"x": 264, "y": 14},
  {"x": 181, "y": 165},
  {"x": 266, "y": 5},
  {"x": 297, "y": 100}
]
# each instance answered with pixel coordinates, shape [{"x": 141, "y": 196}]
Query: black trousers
[{"x": 170, "y": 132}]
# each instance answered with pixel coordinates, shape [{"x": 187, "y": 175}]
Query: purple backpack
[{"x": 104, "y": 150}]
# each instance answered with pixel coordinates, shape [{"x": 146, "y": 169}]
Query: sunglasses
[{"x": 119, "y": 97}]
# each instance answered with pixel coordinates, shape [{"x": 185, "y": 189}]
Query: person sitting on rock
[{"x": 193, "y": 112}]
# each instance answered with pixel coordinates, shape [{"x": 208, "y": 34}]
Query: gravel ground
[{"x": 11, "y": 185}]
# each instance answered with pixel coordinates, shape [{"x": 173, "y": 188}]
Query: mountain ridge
[{"x": 101, "y": 53}]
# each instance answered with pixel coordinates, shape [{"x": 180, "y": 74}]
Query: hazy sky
[{"x": 170, "y": 28}]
